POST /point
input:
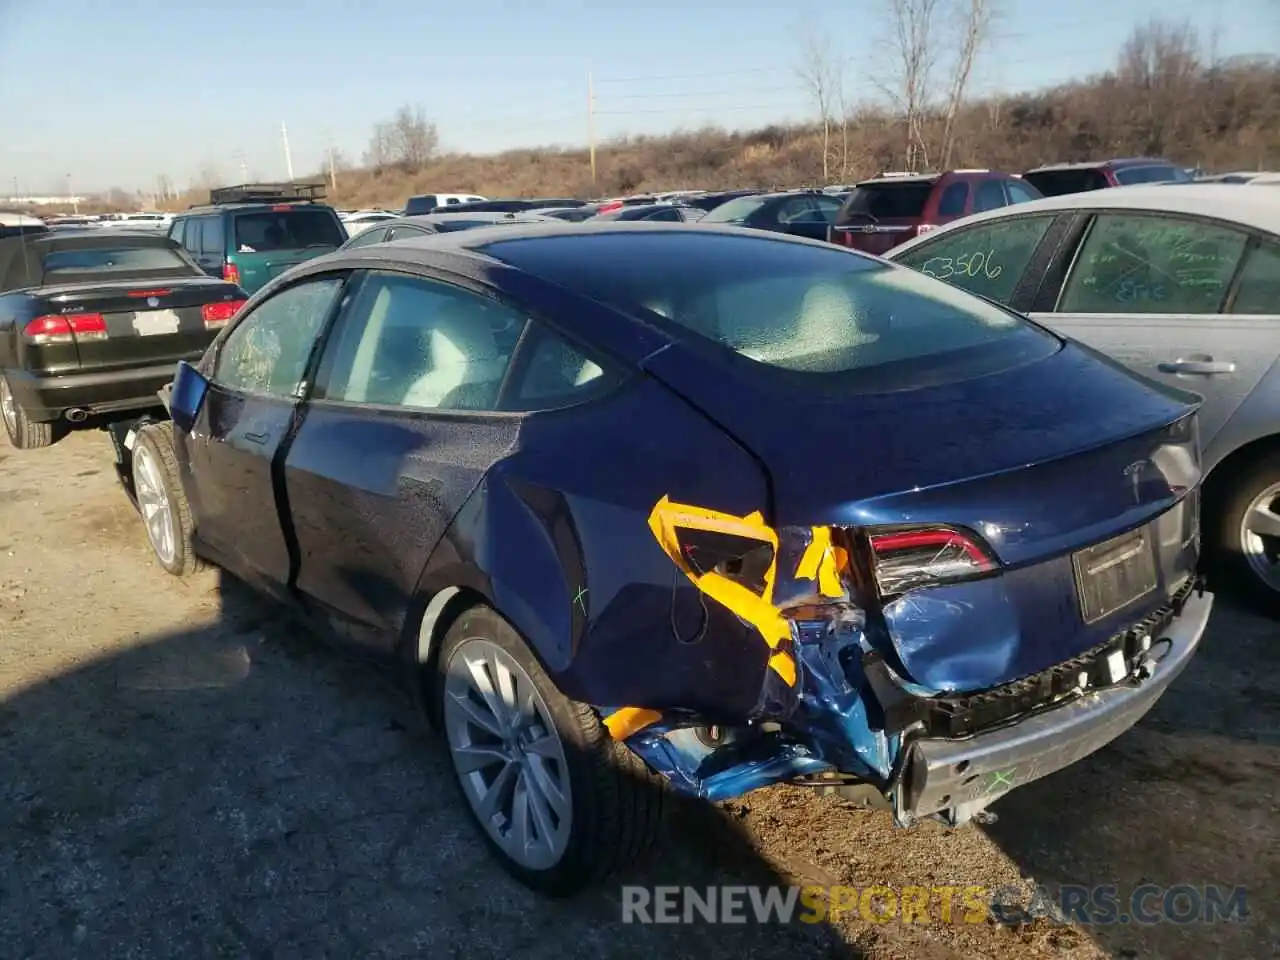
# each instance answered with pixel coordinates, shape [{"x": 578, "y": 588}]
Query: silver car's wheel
[
  {"x": 508, "y": 754},
  {"x": 1260, "y": 536},
  {"x": 153, "y": 504}
]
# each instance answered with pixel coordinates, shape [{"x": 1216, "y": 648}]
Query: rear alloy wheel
[
  {"x": 161, "y": 502},
  {"x": 24, "y": 433},
  {"x": 559, "y": 802},
  {"x": 1248, "y": 535}
]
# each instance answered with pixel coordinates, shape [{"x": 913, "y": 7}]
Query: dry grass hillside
[{"x": 1223, "y": 117}]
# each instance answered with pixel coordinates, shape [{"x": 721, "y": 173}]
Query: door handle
[
  {"x": 1207, "y": 366},
  {"x": 260, "y": 437}
]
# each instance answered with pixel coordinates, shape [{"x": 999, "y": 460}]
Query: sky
[{"x": 103, "y": 93}]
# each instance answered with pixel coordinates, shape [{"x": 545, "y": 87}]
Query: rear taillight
[
  {"x": 610, "y": 207},
  {"x": 922, "y": 557},
  {"x": 231, "y": 273},
  {"x": 219, "y": 314},
  {"x": 66, "y": 328}
]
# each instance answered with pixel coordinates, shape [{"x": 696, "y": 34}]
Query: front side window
[
  {"x": 988, "y": 259},
  {"x": 367, "y": 237},
  {"x": 1137, "y": 263},
  {"x": 734, "y": 211},
  {"x": 267, "y": 351},
  {"x": 410, "y": 342}
]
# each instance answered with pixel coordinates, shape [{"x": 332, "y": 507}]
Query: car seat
[
  {"x": 466, "y": 367},
  {"x": 828, "y": 319}
]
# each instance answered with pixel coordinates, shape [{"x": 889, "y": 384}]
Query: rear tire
[
  {"x": 593, "y": 806},
  {"x": 166, "y": 516},
  {"x": 24, "y": 433},
  {"x": 1244, "y": 559}
]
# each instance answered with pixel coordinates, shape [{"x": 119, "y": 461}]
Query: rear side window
[
  {"x": 286, "y": 230},
  {"x": 1259, "y": 290},
  {"x": 988, "y": 259},
  {"x": 113, "y": 260},
  {"x": 889, "y": 201},
  {"x": 990, "y": 196},
  {"x": 734, "y": 210},
  {"x": 791, "y": 307},
  {"x": 214, "y": 237},
  {"x": 953, "y": 200}
]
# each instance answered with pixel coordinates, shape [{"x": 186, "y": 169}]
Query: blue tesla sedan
[{"x": 640, "y": 508}]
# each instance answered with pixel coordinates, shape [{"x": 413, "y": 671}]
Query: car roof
[{"x": 1221, "y": 201}]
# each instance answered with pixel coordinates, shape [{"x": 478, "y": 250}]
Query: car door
[
  {"x": 1000, "y": 259},
  {"x": 256, "y": 380},
  {"x": 1152, "y": 291},
  {"x": 401, "y": 428}
]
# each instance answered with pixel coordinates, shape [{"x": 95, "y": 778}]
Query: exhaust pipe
[{"x": 77, "y": 415}]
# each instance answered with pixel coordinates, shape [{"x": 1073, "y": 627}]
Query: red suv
[{"x": 894, "y": 207}]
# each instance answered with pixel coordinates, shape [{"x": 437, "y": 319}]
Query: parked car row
[{"x": 710, "y": 504}]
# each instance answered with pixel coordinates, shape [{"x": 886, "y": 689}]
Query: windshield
[
  {"x": 733, "y": 211},
  {"x": 1155, "y": 173},
  {"x": 787, "y": 305},
  {"x": 113, "y": 259},
  {"x": 286, "y": 230}
]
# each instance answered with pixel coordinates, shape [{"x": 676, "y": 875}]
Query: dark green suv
[{"x": 250, "y": 233}]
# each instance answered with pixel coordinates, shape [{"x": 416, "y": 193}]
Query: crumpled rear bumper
[{"x": 955, "y": 775}]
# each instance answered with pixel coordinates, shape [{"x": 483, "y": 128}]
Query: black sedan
[
  {"x": 801, "y": 213},
  {"x": 94, "y": 322},
  {"x": 429, "y": 223}
]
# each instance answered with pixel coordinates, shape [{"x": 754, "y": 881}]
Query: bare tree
[
  {"x": 823, "y": 74},
  {"x": 1161, "y": 62},
  {"x": 378, "y": 156},
  {"x": 974, "y": 27},
  {"x": 909, "y": 79},
  {"x": 407, "y": 141}
]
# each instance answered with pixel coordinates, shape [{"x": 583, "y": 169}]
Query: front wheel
[
  {"x": 161, "y": 502},
  {"x": 1247, "y": 534},
  {"x": 24, "y": 433},
  {"x": 560, "y": 803}
]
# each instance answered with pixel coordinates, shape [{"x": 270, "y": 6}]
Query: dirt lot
[{"x": 184, "y": 772}]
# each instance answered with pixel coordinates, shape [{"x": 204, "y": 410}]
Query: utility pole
[
  {"x": 75, "y": 204},
  {"x": 288, "y": 157},
  {"x": 333, "y": 172},
  {"x": 591, "y": 126}
]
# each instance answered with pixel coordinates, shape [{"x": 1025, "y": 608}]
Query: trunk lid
[
  {"x": 142, "y": 321},
  {"x": 1039, "y": 460}
]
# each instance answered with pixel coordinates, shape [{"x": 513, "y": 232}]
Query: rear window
[
  {"x": 1055, "y": 183},
  {"x": 419, "y": 205},
  {"x": 113, "y": 260},
  {"x": 1155, "y": 173},
  {"x": 790, "y": 306},
  {"x": 286, "y": 230},
  {"x": 889, "y": 201}
]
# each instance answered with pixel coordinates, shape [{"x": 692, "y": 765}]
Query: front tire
[
  {"x": 1246, "y": 534},
  {"x": 558, "y": 801},
  {"x": 24, "y": 433},
  {"x": 161, "y": 502}
]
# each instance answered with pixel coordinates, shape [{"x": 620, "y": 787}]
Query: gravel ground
[{"x": 185, "y": 772}]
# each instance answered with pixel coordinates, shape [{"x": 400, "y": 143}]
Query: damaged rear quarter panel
[{"x": 558, "y": 534}]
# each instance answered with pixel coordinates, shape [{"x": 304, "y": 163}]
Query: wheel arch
[{"x": 1217, "y": 482}]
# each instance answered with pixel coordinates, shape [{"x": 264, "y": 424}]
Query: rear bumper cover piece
[
  {"x": 133, "y": 388},
  {"x": 965, "y": 775}
]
